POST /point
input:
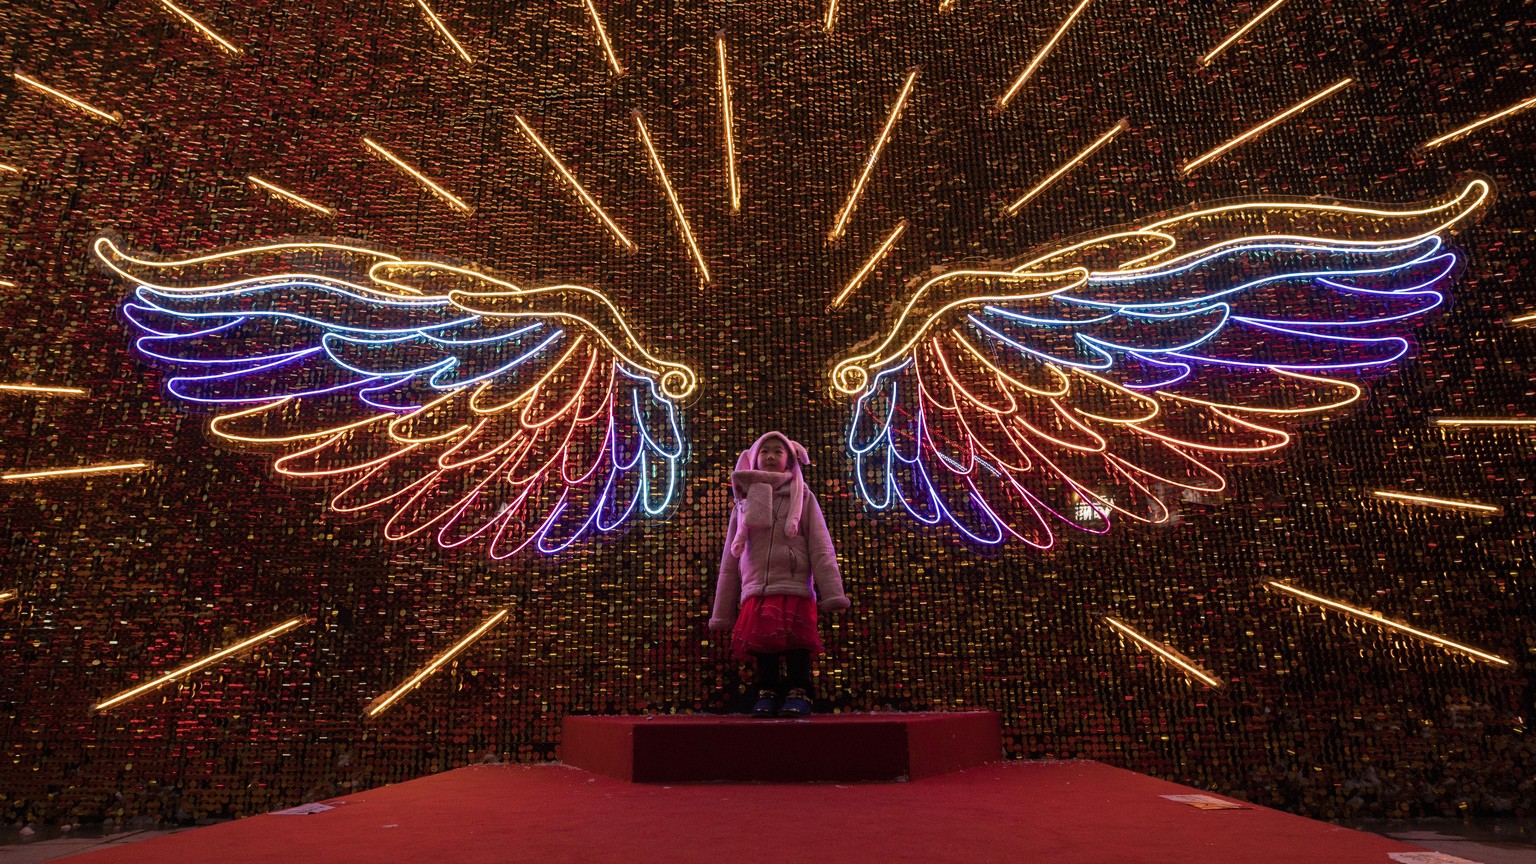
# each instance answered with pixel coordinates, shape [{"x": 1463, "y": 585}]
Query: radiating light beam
[
  {"x": 1029, "y": 71},
  {"x": 1523, "y": 319},
  {"x": 382, "y": 703},
  {"x": 570, "y": 178},
  {"x": 1262, "y": 127},
  {"x": 602, "y": 36},
  {"x": 871, "y": 264},
  {"x": 1240, "y": 33},
  {"x": 41, "y": 390},
  {"x": 70, "y": 472},
  {"x": 9, "y": 595},
  {"x": 1485, "y": 421},
  {"x": 110, "y": 117},
  {"x": 1437, "y": 502},
  {"x": 291, "y": 196},
  {"x": 1376, "y": 618},
  {"x": 9, "y": 169},
  {"x": 730, "y": 134},
  {"x": 453, "y": 201},
  {"x": 197, "y": 665},
  {"x": 1068, "y": 166},
  {"x": 1179, "y": 661},
  {"x": 677, "y": 206},
  {"x": 201, "y": 27},
  {"x": 443, "y": 29},
  {"x": 831, "y": 17},
  {"x": 1478, "y": 124},
  {"x": 874, "y": 156},
  {"x": 7, "y": 284}
]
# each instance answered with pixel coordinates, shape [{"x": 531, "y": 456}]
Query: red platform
[
  {"x": 1058, "y": 812},
  {"x": 842, "y": 748}
]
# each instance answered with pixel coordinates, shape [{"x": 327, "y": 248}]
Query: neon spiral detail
[
  {"x": 450, "y": 402},
  {"x": 1105, "y": 377}
]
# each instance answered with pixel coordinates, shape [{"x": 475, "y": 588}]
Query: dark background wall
[{"x": 124, "y": 576}]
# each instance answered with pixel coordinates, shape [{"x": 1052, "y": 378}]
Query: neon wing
[
  {"x": 449, "y": 402},
  {"x": 1105, "y": 377}
]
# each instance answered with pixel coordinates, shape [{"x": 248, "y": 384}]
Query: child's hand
[
  {"x": 719, "y": 624},
  {"x": 832, "y": 604}
]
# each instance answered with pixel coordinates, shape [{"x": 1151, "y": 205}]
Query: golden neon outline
[
  {"x": 1486, "y": 421},
  {"x": 872, "y": 263},
  {"x": 7, "y": 284},
  {"x": 570, "y": 178},
  {"x": 443, "y": 29},
  {"x": 201, "y": 27},
  {"x": 9, "y": 595},
  {"x": 9, "y": 169},
  {"x": 382, "y": 703},
  {"x": 198, "y": 665},
  {"x": 730, "y": 135},
  {"x": 1240, "y": 33},
  {"x": 1378, "y": 618},
  {"x": 849, "y": 370},
  {"x": 112, "y": 117},
  {"x": 42, "y": 390},
  {"x": 1478, "y": 124},
  {"x": 677, "y": 206},
  {"x": 1018, "y": 84},
  {"x": 1437, "y": 502},
  {"x": 103, "y": 242},
  {"x": 1179, "y": 661},
  {"x": 874, "y": 156},
  {"x": 1267, "y": 124},
  {"x": 70, "y": 472},
  {"x": 602, "y": 36},
  {"x": 453, "y": 200},
  {"x": 1066, "y": 383},
  {"x": 291, "y": 196},
  {"x": 1523, "y": 319},
  {"x": 1356, "y": 392},
  {"x": 1045, "y": 184}
]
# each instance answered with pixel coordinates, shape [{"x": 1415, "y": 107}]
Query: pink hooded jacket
[{"x": 777, "y": 540}]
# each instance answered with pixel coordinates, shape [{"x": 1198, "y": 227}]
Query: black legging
[{"x": 796, "y": 674}]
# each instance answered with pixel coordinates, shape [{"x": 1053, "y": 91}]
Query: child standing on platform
[{"x": 778, "y": 559}]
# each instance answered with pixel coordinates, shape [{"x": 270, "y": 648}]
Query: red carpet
[{"x": 1057, "y": 812}]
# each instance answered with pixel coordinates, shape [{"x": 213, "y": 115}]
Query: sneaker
[
  {"x": 767, "y": 704},
  {"x": 796, "y": 704}
]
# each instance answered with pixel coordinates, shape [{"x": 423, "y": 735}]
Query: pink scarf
[{"x": 754, "y": 490}]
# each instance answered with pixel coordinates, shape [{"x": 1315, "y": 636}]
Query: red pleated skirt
[{"x": 779, "y": 622}]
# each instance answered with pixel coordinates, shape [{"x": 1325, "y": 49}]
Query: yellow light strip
[
  {"x": 831, "y": 17},
  {"x": 1523, "y": 319},
  {"x": 381, "y": 704},
  {"x": 9, "y": 169},
  {"x": 1070, "y": 164},
  {"x": 1486, "y": 421},
  {"x": 1241, "y": 32},
  {"x": 1262, "y": 127},
  {"x": 946, "y": 5},
  {"x": 602, "y": 36},
  {"x": 291, "y": 196},
  {"x": 453, "y": 200},
  {"x": 1436, "y": 502},
  {"x": 677, "y": 206},
  {"x": 1478, "y": 124},
  {"x": 570, "y": 178},
  {"x": 869, "y": 266},
  {"x": 41, "y": 390},
  {"x": 197, "y": 665},
  {"x": 110, "y": 117},
  {"x": 1182, "y": 663},
  {"x": 9, "y": 595},
  {"x": 1029, "y": 71},
  {"x": 730, "y": 135},
  {"x": 443, "y": 29},
  {"x": 201, "y": 27},
  {"x": 69, "y": 472},
  {"x": 6, "y": 284},
  {"x": 874, "y": 155},
  {"x": 1377, "y": 618}
]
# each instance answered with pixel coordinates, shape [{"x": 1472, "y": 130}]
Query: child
[{"x": 776, "y": 547}]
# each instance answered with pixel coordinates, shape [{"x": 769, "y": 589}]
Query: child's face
[{"x": 773, "y": 456}]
